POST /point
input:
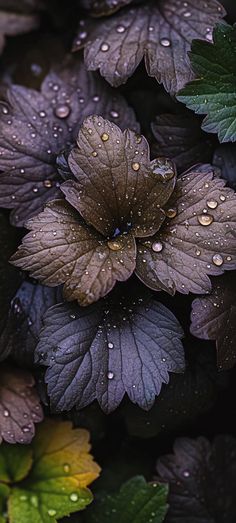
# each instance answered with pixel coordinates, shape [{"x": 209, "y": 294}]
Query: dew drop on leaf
[
  {"x": 51, "y": 512},
  {"x": 74, "y": 496},
  {"x": 157, "y": 246},
  {"x": 110, "y": 375},
  {"x": 171, "y": 213},
  {"x": 114, "y": 245},
  {"x": 135, "y": 166},
  {"x": 217, "y": 260},
  {"x": 66, "y": 468},
  {"x": 212, "y": 204},
  {"x": 165, "y": 42},
  {"x": 105, "y": 137},
  {"x": 205, "y": 219},
  {"x": 105, "y": 47},
  {"x": 62, "y": 111}
]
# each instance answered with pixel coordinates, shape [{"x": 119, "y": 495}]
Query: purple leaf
[
  {"x": 103, "y": 7},
  {"x": 161, "y": 33},
  {"x": 124, "y": 344},
  {"x": 19, "y": 406},
  {"x": 214, "y": 318},
  {"x": 36, "y": 127},
  {"x": 179, "y": 137},
  {"x": 201, "y": 479}
]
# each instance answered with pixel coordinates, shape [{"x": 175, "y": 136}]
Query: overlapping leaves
[
  {"x": 201, "y": 478},
  {"x": 49, "y": 479},
  {"x": 37, "y": 126},
  {"x": 214, "y": 91},
  {"x": 160, "y": 32},
  {"x": 127, "y": 343},
  {"x": 103, "y": 233}
]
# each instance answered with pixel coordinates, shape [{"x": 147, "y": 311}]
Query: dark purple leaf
[
  {"x": 186, "y": 397},
  {"x": 161, "y": 33},
  {"x": 180, "y": 137},
  {"x": 225, "y": 159},
  {"x": 21, "y": 333},
  {"x": 36, "y": 127},
  {"x": 9, "y": 277},
  {"x": 214, "y": 318},
  {"x": 198, "y": 238},
  {"x": 61, "y": 248},
  {"x": 133, "y": 188},
  {"x": 103, "y": 7},
  {"x": 202, "y": 480},
  {"x": 124, "y": 344},
  {"x": 19, "y": 406}
]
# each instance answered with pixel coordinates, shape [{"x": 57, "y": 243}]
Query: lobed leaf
[
  {"x": 214, "y": 91},
  {"x": 127, "y": 343},
  {"x": 161, "y": 33}
]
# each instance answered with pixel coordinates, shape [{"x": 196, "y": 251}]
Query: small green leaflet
[
  {"x": 136, "y": 502},
  {"x": 214, "y": 91}
]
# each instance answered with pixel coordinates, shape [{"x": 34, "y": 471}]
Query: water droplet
[
  {"x": 110, "y": 375},
  {"x": 186, "y": 474},
  {"x": 198, "y": 252},
  {"x": 212, "y": 204},
  {"x": 205, "y": 219},
  {"x": 51, "y": 512},
  {"x": 34, "y": 501},
  {"x": 187, "y": 14},
  {"x": 114, "y": 114},
  {"x": 94, "y": 154},
  {"x": 66, "y": 468},
  {"x": 136, "y": 166},
  {"x": 6, "y": 413},
  {"x": 120, "y": 29},
  {"x": 222, "y": 198},
  {"x": 23, "y": 498},
  {"x": 105, "y": 137},
  {"x": 110, "y": 345},
  {"x": 229, "y": 258},
  {"x": 157, "y": 246},
  {"x": 42, "y": 114},
  {"x": 104, "y": 47},
  {"x": 62, "y": 111},
  {"x": 171, "y": 213},
  {"x": 114, "y": 245},
  {"x": 217, "y": 260},
  {"x": 74, "y": 496},
  {"x": 165, "y": 42},
  {"x": 47, "y": 184},
  {"x": 25, "y": 429},
  {"x": 35, "y": 189}
]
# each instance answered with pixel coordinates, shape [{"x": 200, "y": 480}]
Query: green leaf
[
  {"x": 15, "y": 463},
  {"x": 214, "y": 91},
  {"x": 49, "y": 478},
  {"x": 136, "y": 502}
]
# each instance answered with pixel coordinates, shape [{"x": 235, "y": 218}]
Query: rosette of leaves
[
  {"x": 201, "y": 478},
  {"x": 124, "y": 213},
  {"x": 48, "y": 479},
  {"x": 159, "y": 31},
  {"x": 36, "y": 127}
]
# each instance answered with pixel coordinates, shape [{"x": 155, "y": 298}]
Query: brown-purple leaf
[
  {"x": 160, "y": 32},
  {"x": 20, "y": 408},
  {"x": 198, "y": 238},
  {"x": 61, "y": 248},
  {"x": 214, "y": 318},
  {"x": 37, "y": 126},
  {"x": 117, "y": 187}
]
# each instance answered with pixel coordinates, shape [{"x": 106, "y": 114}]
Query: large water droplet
[
  {"x": 110, "y": 375},
  {"x": 136, "y": 166},
  {"x": 51, "y": 512},
  {"x": 110, "y": 345},
  {"x": 217, "y": 260},
  {"x": 171, "y": 213},
  {"x": 205, "y": 219},
  {"x": 165, "y": 42},
  {"x": 157, "y": 246},
  {"x": 104, "y": 47},
  {"x": 74, "y": 496},
  {"x": 222, "y": 198},
  {"x": 105, "y": 137},
  {"x": 212, "y": 204},
  {"x": 62, "y": 111},
  {"x": 120, "y": 29},
  {"x": 114, "y": 245}
]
